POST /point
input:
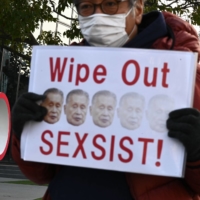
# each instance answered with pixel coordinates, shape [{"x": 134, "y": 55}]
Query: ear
[
  {"x": 147, "y": 114},
  {"x": 65, "y": 107},
  {"x": 118, "y": 112},
  {"x": 91, "y": 110},
  {"x": 40, "y": 103},
  {"x": 139, "y": 8}
]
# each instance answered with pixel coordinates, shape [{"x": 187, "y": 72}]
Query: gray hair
[
  {"x": 159, "y": 97},
  {"x": 54, "y": 91},
  {"x": 103, "y": 93},
  {"x": 134, "y": 2},
  {"x": 78, "y": 92},
  {"x": 132, "y": 95}
]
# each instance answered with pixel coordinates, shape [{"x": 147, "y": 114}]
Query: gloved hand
[
  {"x": 184, "y": 125},
  {"x": 26, "y": 109}
]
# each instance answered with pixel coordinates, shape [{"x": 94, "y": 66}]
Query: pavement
[{"x": 10, "y": 191}]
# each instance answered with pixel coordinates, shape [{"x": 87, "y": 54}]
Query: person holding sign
[
  {"x": 76, "y": 107},
  {"x": 53, "y": 104},
  {"x": 157, "y": 113},
  {"x": 102, "y": 109},
  {"x": 121, "y": 23},
  {"x": 131, "y": 109}
]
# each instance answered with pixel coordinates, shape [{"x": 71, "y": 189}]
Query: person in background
[{"x": 121, "y": 23}]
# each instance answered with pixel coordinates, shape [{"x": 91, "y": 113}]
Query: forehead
[
  {"x": 162, "y": 103},
  {"x": 132, "y": 101},
  {"x": 77, "y": 98},
  {"x": 103, "y": 99},
  {"x": 54, "y": 97}
]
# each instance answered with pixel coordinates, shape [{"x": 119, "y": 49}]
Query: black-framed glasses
[{"x": 88, "y": 8}]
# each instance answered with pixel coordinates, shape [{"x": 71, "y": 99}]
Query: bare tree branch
[{"x": 54, "y": 10}]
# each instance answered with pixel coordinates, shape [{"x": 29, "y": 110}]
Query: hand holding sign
[
  {"x": 184, "y": 124},
  {"x": 26, "y": 109},
  {"x": 4, "y": 124}
]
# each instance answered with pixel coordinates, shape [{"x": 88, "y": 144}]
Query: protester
[
  {"x": 122, "y": 24},
  {"x": 131, "y": 110},
  {"x": 102, "y": 109},
  {"x": 76, "y": 107},
  {"x": 53, "y": 103},
  {"x": 157, "y": 112}
]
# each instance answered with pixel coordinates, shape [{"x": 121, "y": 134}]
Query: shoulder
[
  {"x": 185, "y": 36},
  {"x": 178, "y": 24}
]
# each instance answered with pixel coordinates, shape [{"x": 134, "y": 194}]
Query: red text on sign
[
  {"x": 82, "y": 71},
  {"x": 153, "y": 82},
  {"x": 99, "y": 152}
]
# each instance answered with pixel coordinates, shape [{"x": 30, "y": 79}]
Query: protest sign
[
  {"x": 108, "y": 108},
  {"x": 4, "y": 124}
]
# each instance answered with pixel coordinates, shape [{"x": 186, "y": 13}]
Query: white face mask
[{"x": 105, "y": 30}]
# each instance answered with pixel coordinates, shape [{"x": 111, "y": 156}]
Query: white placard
[
  {"x": 4, "y": 124},
  {"x": 121, "y": 129}
]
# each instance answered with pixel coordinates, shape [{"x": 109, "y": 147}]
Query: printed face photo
[
  {"x": 157, "y": 113},
  {"x": 76, "y": 109},
  {"x": 53, "y": 104},
  {"x": 102, "y": 110},
  {"x": 130, "y": 112}
]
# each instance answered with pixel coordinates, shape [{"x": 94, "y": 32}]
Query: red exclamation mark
[{"x": 159, "y": 151}]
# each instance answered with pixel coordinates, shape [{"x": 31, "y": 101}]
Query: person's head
[
  {"x": 53, "y": 103},
  {"x": 114, "y": 28},
  {"x": 76, "y": 107},
  {"x": 131, "y": 109},
  {"x": 103, "y": 108},
  {"x": 157, "y": 113}
]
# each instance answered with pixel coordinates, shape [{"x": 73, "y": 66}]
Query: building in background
[{"x": 61, "y": 25}]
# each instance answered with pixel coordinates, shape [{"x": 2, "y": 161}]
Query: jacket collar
[{"x": 152, "y": 27}]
